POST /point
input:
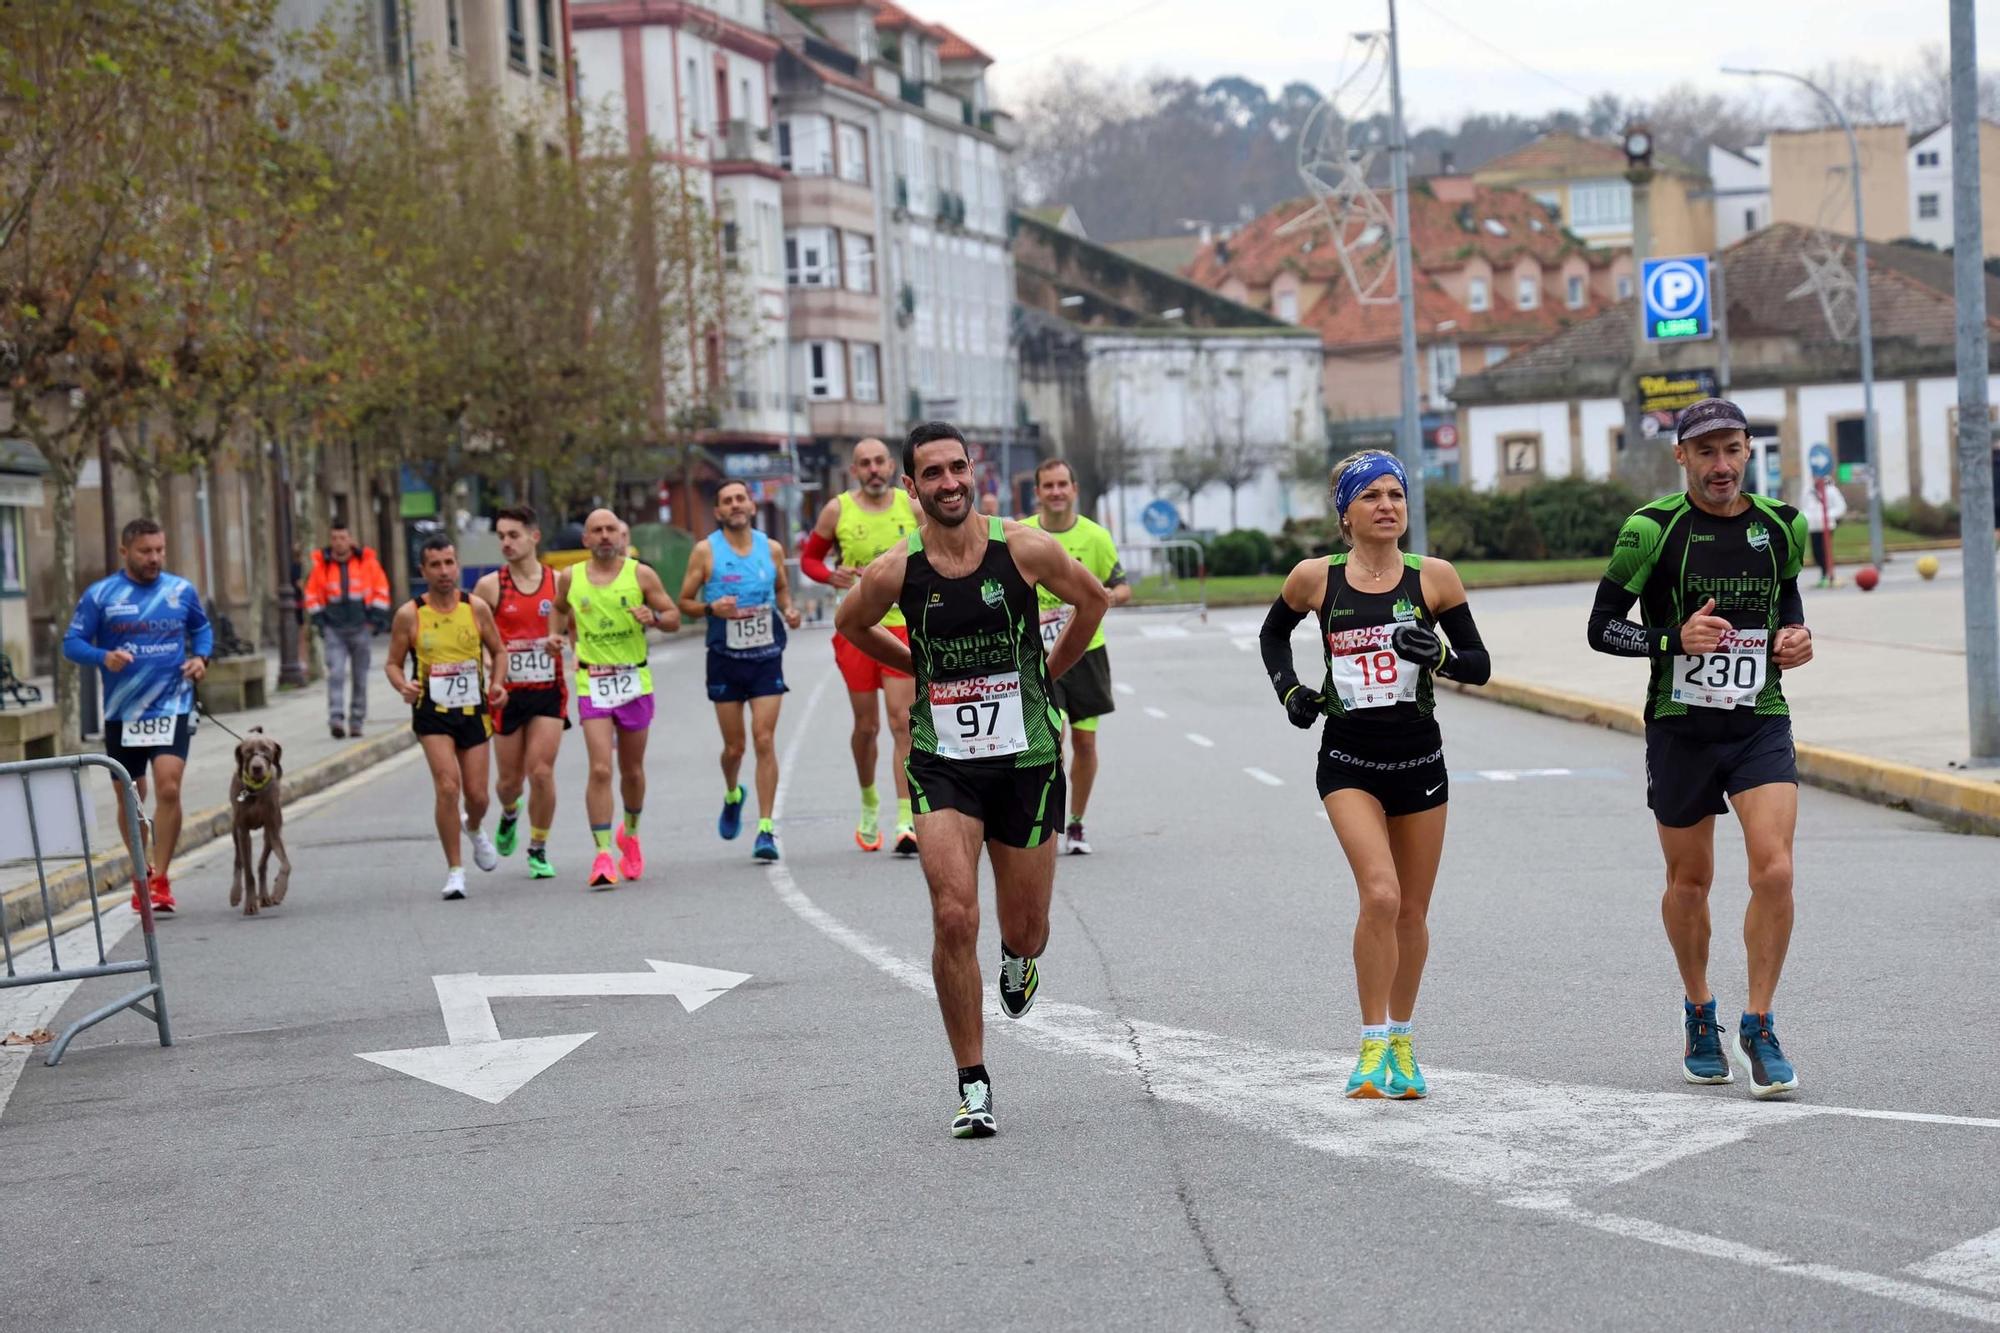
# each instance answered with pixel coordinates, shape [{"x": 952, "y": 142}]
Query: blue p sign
[{"x": 1675, "y": 292}]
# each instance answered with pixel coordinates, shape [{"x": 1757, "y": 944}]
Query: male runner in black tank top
[{"x": 985, "y": 764}]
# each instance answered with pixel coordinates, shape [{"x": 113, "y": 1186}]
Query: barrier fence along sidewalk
[{"x": 51, "y": 822}]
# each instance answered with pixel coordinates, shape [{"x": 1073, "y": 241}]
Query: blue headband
[{"x": 1367, "y": 469}]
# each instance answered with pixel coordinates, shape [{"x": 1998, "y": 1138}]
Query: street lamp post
[
  {"x": 1874, "y": 452},
  {"x": 1412, "y": 441}
]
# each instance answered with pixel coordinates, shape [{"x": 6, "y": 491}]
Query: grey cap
[{"x": 1710, "y": 414}]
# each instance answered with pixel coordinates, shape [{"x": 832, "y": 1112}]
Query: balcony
[{"x": 742, "y": 141}]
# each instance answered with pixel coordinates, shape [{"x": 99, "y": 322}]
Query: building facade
[{"x": 1583, "y": 181}]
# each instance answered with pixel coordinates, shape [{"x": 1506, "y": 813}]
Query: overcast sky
[{"x": 1458, "y": 55}]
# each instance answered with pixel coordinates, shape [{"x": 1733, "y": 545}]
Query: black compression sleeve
[
  {"x": 1274, "y": 641},
  {"x": 1611, "y": 632},
  {"x": 1466, "y": 660},
  {"x": 1791, "y": 606}
]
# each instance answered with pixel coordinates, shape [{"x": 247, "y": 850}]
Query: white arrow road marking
[
  {"x": 1974, "y": 1265},
  {"x": 480, "y": 1063},
  {"x": 1526, "y": 1143}
]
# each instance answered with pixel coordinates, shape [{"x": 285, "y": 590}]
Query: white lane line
[
  {"x": 26, "y": 1008},
  {"x": 1975, "y": 1265},
  {"x": 1155, "y": 713},
  {"x": 1268, "y": 779},
  {"x": 1163, "y": 631},
  {"x": 1123, "y": 688},
  {"x": 1715, "y": 1247},
  {"x": 1199, "y": 739},
  {"x": 1525, "y": 1142},
  {"x": 1245, "y": 644}
]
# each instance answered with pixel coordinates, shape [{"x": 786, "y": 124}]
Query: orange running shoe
[
  {"x": 632, "y": 862},
  {"x": 603, "y": 875},
  {"x": 163, "y": 895}
]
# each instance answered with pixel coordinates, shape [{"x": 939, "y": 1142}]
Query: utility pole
[
  {"x": 1411, "y": 436},
  {"x": 1975, "y": 430},
  {"x": 1641, "y": 455}
]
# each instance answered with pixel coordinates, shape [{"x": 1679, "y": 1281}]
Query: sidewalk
[
  {"x": 313, "y": 760},
  {"x": 1886, "y": 685}
]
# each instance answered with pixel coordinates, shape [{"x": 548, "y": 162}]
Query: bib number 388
[
  {"x": 980, "y": 717},
  {"x": 1729, "y": 676},
  {"x": 148, "y": 733},
  {"x": 1366, "y": 671}
]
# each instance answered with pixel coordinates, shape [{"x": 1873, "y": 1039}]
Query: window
[
  {"x": 1444, "y": 370},
  {"x": 392, "y": 36},
  {"x": 743, "y": 105},
  {"x": 1929, "y": 159},
  {"x": 692, "y": 111},
  {"x": 860, "y": 251},
  {"x": 769, "y": 233},
  {"x": 453, "y": 33},
  {"x": 545, "y": 36},
  {"x": 13, "y": 571},
  {"x": 1527, "y": 291},
  {"x": 1602, "y": 204},
  {"x": 1749, "y": 219},
  {"x": 1573, "y": 290},
  {"x": 517, "y": 36},
  {"x": 812, "y": 258},
  {"x": 866, "y": 372},
  {"x": 1624, "y": 286},
  {"x": 1850, "y": 441},
  {"x": 805, "y": 146},
  {"x": 1477, "y": 297},
  {"x": 1286, "y": 303},
  {"x": 1495, "y": 354},
  {"x": 729, "y": 239},
  {"x": 823, "y": 378},
  {"x": 1927, "y": 206},
  {"x": 853, "y": 153},
  {"x": 1520, "y": 455}
]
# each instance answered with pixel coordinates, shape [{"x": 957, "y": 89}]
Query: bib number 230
[{"x": 1728, "y": 677}]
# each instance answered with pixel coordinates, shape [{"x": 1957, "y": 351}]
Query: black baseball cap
[{"x": 1708, "y": 415}]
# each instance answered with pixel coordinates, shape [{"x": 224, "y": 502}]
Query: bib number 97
[{"x": 978, "y": 721}]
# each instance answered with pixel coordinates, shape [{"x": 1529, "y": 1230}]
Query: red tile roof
[
  {"x": 892, "y": 17},
  {"x": 1443, "y": 236},
  {"x": 955, "y": 47}
]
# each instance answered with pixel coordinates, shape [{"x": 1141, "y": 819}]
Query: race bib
[
  {"x": 529, "y": 663},
  {"x": 612, "y": 686},
  {"x": 148, "y": 733},
  {"x": 454, "y": 684},
  {"x": 1366, "y": 671},
  {"x": 1053, "y": 624},
  {"x": 978, "y": 718},
  {"x": 1729, "y": 676},
  {"x": 754, "y": 630}
]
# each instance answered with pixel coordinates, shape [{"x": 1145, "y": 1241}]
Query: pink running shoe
[
  {"x": 603, "y": 875},
  {"x": 632, "y": 861}
]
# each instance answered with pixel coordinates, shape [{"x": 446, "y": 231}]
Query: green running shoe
[
  {"x": 538, "y": 864},
  {"x": 505, "y": 836},
  {"x": 975, "y": 1111},
  {"x": 1371, "y": 1072},
  {"x": 1406, "y": 1081}
]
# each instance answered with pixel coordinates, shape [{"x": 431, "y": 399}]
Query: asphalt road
[{"x": 1173, "y": 1150}]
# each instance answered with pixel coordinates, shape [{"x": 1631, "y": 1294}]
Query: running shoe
[
  {"x": 975, "y": 1111},
  {"x": 1755, "y": 1049},
  {"x": 338, "y": 732},
  {"x": 868, "y": 833},
  {"x": 484, "y": 855},
  {"x": 731, "y": 822},
  {"x": 1406, "y": 1081},
  {"x": 1019, "y": 980},
  {"x": 506, "y": 834},
  {"x": 162, "y": 894},
  {"x": 906, "y": 840},
  {"x": 603, "y": 874},
  {"x": 1702, "y": 1060},
  {"x": 1077, "y": 844},
  {"x": 1371, "y": 1072},
  {"x": 454, "y": 884},
  {"x": 538, "y": 864},
  {"x": 766, "y": 848},
  {"x": 631, "y": 861}
]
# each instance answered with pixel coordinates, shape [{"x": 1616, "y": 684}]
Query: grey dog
[{"x": 255, "y": 803}]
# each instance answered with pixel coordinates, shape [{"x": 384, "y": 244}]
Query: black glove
[
  {"x": 1303, "y": 706},
  {"x": 1419, "y": 644}
]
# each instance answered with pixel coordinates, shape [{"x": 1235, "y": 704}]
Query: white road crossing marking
[
  {"x": 1268, "y": 779},
  {"x": 1155, "y": 713},
  {"x": 1245, "y": 643},
  {"x": 1974, "y": 1265},
  {"x": 1123, "y": 688},
  {"x": 1516, "y": 774},
  {"x": 1526, "y": 1143},
  {"x": 1163, "y": 631},
  {"x": 1199, "y": 739}
]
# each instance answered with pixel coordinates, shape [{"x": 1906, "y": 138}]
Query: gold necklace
[{"x": 1371, "y": 573}]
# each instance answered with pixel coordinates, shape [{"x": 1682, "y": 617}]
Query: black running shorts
[
  {"x": 1403, "y": 767},
  {"x": 1021, "y": 807},
  {"x": 1084, "y": 691},
  {"x": 523, "y": 705},
  {"x": 465, "y": 729},
  {"x": 136, "y": 758},
  {"x": 1688, "y": 778}
]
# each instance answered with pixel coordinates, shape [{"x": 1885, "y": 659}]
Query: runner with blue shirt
[
  {"x": 146, "y": 631},
  {"x": 737, "y": 580}
]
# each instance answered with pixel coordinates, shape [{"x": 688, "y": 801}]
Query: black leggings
[{"x": 1822, "y": 555}]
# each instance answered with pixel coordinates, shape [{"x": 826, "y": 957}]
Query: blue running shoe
[
  {"x": 766, "y": 848},
  {"x": 1702, "y": 1060},
  {"x": 731, "y": 822},
  {"x": 1755, "y": 1049},
  {"x": 1370, "y": 1078}
]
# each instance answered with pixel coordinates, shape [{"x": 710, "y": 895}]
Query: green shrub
[
  {"x": 1522, "y": 538},
  {"x": 1922, "y": 517},
  {"x": 1575, "y": 517},
  {"x": 1245, "y": 551}
]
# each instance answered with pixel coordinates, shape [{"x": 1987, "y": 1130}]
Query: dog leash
[{"x": 203, "y": 709}]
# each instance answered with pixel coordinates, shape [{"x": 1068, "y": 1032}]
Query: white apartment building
[{"x": 1742, "y": 191}]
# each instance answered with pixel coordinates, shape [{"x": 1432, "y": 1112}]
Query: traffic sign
[
  {"x": 1446, "y": 436},
  {"x": 1819, "y": 458},
  {"x": 1675, "y": 293},
  {"x": 1161, "y": 518}
]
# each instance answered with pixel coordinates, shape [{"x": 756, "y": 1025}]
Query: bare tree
[{"x": 1192, "y": 470}]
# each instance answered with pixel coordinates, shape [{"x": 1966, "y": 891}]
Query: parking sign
[{"x": 1675, "y": 293}]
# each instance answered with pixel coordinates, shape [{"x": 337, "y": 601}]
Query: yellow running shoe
[
  {"x": 1406, "y": 1081},
  {"x": 1371, "y": 1072}
]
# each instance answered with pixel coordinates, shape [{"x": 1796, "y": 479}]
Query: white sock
[
  {"x": 1399, "y": 1027},
  {"x": 1374, "y": 1032}
]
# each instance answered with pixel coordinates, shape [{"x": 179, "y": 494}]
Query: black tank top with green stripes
[{"x": 1370, "y": 691}]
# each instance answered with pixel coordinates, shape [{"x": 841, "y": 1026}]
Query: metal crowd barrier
[
  {"x": 44, "y": 814},
  {"x": 1175, "y": 561},
  {"x": 815, "y": 601}
]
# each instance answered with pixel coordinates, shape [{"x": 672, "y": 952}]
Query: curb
[
  {"x": 21, "y": 908},
  {"x": 1966, "y": 804}
]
